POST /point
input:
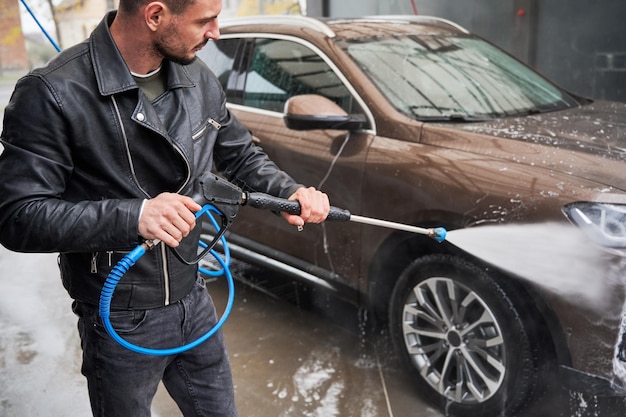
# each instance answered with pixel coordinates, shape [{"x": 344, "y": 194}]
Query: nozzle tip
[{"x": 439, "y": 234}]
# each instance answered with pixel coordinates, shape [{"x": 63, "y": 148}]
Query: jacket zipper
[
  {"x": 166, "y": 277},
  {"x": 200, "y": 132},
  {"x": 94, "y": 262}
]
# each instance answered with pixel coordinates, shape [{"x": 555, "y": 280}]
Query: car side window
[
  {"x": 280, "y": 69},
  {"x": 220, "y": 57}
]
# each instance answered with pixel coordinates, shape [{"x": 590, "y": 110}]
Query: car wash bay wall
[{"x": 579, "y": 44}]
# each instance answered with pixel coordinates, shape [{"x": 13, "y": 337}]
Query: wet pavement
[{"x": 287, "y": 360}]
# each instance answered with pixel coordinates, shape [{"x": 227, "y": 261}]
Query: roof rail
[
  {"x": 417, "y": 19},
  {"x": 281, "y": 19}
]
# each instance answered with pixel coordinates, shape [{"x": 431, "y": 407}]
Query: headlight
[{"x": 604, "y": 223}]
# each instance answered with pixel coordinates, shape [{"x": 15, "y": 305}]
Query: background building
[
  {"x": 579, "y": 44},
  {"x": 76, "y": 19},
  {"x": 12, "y": 44}
]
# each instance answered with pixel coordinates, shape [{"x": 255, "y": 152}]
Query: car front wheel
[{"x": 463, "y": 338}]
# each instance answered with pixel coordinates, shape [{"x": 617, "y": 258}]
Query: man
[{"x": 103, "y": 149}]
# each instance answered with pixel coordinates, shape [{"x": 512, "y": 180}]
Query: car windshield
[{"x": 454, "y": 78}]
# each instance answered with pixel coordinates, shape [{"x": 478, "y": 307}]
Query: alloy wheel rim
[{"x": 454, "y": 340}]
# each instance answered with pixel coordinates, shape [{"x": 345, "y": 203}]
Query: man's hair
[{"x": 132, "y": 6}]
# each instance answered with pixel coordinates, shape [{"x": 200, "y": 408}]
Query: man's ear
[{"x": 154, "y": 13}]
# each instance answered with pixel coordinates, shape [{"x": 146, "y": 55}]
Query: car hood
[
  {"x": 598, "y": 128},
  {"x": 588, "y": 141}
]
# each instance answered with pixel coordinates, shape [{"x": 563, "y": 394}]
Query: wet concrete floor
[{"x": 287, "y": 360}]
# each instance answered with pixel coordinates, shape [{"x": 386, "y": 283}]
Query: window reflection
[
  {"x": 443, "y": 76},
  {"x": 280, "y": 69}
]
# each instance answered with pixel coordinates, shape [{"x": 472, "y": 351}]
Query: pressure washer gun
[
  {"x": 227, "y": 197},
  {"x": 223, "y": 198}
]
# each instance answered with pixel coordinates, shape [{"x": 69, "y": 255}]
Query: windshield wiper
[{"x": 454, "y": 118}]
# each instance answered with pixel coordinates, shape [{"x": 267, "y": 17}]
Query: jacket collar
[{"x": 112, "y": 74}]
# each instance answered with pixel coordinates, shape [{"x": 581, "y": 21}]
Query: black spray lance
[
  {"x": 219, "y": 191},
  {"x": 224, "y": 199}
]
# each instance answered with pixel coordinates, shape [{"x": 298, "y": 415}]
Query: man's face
[{"x": 187, "y": 33}]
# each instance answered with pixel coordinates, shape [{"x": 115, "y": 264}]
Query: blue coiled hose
[{"x": 130, "y": 259}]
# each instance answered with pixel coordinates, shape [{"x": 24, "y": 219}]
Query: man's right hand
[{"x": 168, "y": 217}]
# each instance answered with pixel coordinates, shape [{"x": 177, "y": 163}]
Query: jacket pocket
[
  {"x": 210, "y": 127},
  {"x": 105, "y": 260}
]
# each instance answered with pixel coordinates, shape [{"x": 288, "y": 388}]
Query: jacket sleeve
[
  {"x": 35, "y": 166},
  {"x": 245, "y": 163}
]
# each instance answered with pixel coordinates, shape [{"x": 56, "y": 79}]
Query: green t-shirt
[{"x": 152, "y": 84}]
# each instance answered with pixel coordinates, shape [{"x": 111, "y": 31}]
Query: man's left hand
[{"x": 314, "y": 207}]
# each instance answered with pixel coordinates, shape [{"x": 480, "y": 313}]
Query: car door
[{"x": 275, "y": 69}]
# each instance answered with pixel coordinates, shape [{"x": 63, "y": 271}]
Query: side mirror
[{"x": 310, "y": 111}]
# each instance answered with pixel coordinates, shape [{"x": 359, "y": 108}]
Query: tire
[{"x": 462, "y": 337}]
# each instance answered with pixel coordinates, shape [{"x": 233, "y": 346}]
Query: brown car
[{"x": 416, "y": 121}]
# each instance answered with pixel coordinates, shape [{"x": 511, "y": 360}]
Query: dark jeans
[{"x": 122, "y": 383}]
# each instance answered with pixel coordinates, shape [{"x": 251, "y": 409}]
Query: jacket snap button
[{"x": 140, "y": 117}]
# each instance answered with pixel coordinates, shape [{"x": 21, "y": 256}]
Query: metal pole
[{"x": 390, "y": 225}]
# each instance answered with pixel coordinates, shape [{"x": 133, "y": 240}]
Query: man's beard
[
  {"x": 164, "y": 48},
  {"x": 167, "y": 54}
]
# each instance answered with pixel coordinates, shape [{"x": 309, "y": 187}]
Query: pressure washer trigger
[{"x": 229, "y": 213}]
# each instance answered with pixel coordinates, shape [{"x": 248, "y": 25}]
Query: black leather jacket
[{"x": 83, "y": 147}]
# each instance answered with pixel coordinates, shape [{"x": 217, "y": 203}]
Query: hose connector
[{"x": 149, "y": 244}]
